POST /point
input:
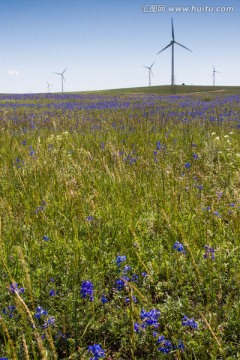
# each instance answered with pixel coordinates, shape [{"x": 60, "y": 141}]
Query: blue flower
[
  {"x": 45, "y": 238},
  {"x": 87, "y": 290},
  {"x": 40, "y": 311},
  {"x": 166, "y": 345},
  {"x": 137, "y": 327},
  {"x": 189, "y": 322},
  {"x": 179, "y": 247},
  {"x": 104, "y": 300},
  {"x": 180, "y": 345},
  {"x": 195, "y": 156},
  {"x": 120, "y": 259},
  {"x": 151, "y": 317},
  {"x": 96, "y": 351},
  {"x": 120, "y": 284},
  {"x": 52, "y": 292},
  {"x": 187, "y": 165}
]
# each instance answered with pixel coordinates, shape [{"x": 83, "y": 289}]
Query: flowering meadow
[{"x": 119, "y": 226}]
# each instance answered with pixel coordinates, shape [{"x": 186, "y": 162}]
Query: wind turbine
[
  {"x": 48, "y": 86},
  {"x": 213, "y": 74},
  {"x": 149, "y": 72},
  {"x": 62, "y": 76},
  {"x": 172, "y": 45}
]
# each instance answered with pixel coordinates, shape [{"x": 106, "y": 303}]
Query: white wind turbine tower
[
  {"x": 62, "y": 76},
  {"x": 213, "y": 74},
  {"x": 48, "y": 86},
  {"x": 149, "y": 72},
  {"x": 172, "y": 45}
]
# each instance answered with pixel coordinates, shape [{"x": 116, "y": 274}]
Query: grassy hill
[{"x": 167, "y": 90}]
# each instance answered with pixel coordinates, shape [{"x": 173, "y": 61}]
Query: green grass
[
  {"x": 167, "y": 90},
  {"x": 98, "y": 184}
]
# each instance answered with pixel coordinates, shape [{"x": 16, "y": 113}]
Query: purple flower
[
  {"x": 87, "y": 290},
  {"x": 189, "y": 322},
  {"x": 9, "y": 311},
  {"x": 45, "y": 238},
  {"x": 89, "y": 218},
  {"x": 49, "y": 322},
  {"x": 209, "y": 252},
  {"x": 40, "y": 311},
  {"x": 187, "y": 165},
  {"x": 96, "y": 351},
  {"x": 15, "y": 289}
]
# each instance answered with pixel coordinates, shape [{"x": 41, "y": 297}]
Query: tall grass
[{"x": 80, "y": 187}]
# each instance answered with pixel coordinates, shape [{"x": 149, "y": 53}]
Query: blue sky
[{"x": 104, "y": 44}]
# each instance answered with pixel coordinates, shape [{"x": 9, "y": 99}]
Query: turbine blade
[
  {"x": 182, "y": 46},
  {"x": 64, "y": 71},
  {"x": 164, "y": 48},
  {"x": 57, "y": 73},
  {"x": 146, "y": 67},
  {"x": 172, "y": 30},
  {"x": 152, "y": 65}
]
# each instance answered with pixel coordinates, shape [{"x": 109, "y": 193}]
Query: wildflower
[
  {"x": 9, "y": 311},
  {"x": 180, "y": 345},
  {"x": 209, "y": 252},
  {"x": 137, "y": 327},
  {"x": 40, "y": 311},
  {"x": 126, "y": 269},
  {"x": 195, "y": 156},
  {"x": 49, "y": 322},
  {"x": 158, "y": 145},
  {"x": 96, "y": 351},
  {"x": 104, "y": 300},
  {"x": 151, "y": 317},
  {"x": 120, "y": 259},
  {"x": 166, "y": 345},
  {"x": 52, "y": 292},
  {"x": 120, "y": 284},
  {"x": 144, "y": 274},
  {"x": 45, "y": 238},
  {"x": 179, "y": 247},
  {"x": 87, "y": 290},
  {"x": 89, "y": 218},
  {"x": 15, "y": 289},
  {"x": 189, "y": 322},
  {"x": 134, "y": 299},
  {"x": 187, "y": 165}
]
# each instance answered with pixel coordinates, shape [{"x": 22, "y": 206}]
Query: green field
[{"x": 120, "y": 225}]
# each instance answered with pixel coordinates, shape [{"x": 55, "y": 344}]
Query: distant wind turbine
[
  {"x": 62, "y": 76},
  {"x": 213, "y": 74},
  {"x": 149, "y": 72},
  {"x": 48, "y": 86},
  {"x": 172, "y": 45}
]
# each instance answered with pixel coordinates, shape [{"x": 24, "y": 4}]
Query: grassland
[{"x": 120, "y": 226}]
